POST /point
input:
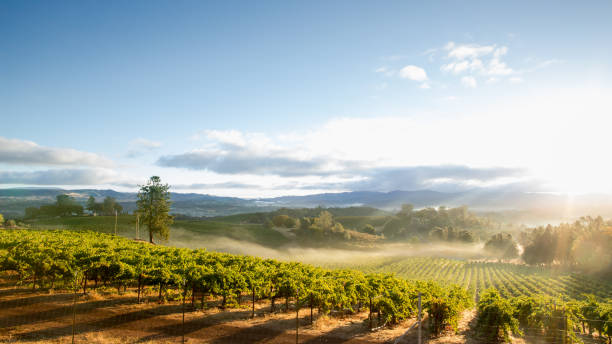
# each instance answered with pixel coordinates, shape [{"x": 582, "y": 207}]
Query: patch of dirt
[{"x": 47, "y": 317}]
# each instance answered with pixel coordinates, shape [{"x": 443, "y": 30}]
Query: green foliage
[
  {"x": 502, "y": 246},
  {"x": 91, "y": 204},
  {"x": 284, "y": 221},
  {"x": 322, "y": 229},
  {"x": 154, "y": 207},
  {"x": 1, "y": 220},
  {"x": 65, "y": 205},
  {"x": 445, "y": 306},
  {"x": 585, "y": 244},
  {"x": 432, "y": 224},
  {"x": 280, "y": 220},
  {"x": 495, "y": 317},
  {"x": 46, "y": 258},
  {"x": 369, "y": 229}
]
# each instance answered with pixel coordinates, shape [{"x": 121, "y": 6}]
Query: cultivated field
[{"x": 510, "y": 279}]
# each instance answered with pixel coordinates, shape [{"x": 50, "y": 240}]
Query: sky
[{"x": 270, "y": 98}]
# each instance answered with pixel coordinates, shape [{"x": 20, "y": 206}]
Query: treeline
[
  {"x": 502, "y": 246},
  {"x": 418, "y": 226},
  {"x": 322, "y": 228},
  {"x": 431, "y": 224},
  {"x": 298, "y": 213},
  {"x": 10, "y": 223},
  {"x": 553, "y": 320},
  {"x": 66, "y": 205},
  {"x": 79, "y": 259},
  {"x": 107, "y": 207},
  {"x": 585, "y": 244}
]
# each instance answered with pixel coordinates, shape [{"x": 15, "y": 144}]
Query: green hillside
[{"x": 126, "y": 226}]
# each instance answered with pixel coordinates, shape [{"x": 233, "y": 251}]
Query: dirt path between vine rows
[{"x": 46, "y": 317}]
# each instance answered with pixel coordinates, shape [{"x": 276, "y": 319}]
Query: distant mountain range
[{"x": 14, "y": 201}]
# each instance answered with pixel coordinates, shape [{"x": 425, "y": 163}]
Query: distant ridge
[{"x": 15, "y": 200}]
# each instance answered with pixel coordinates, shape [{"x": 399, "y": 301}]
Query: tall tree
[
  {"x": 108, "y": 205},
  {"x": 91, "y": 204},
  {"x": 154, "y": 207},
  {"x": 66, "y": 205}
]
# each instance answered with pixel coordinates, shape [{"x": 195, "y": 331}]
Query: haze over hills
[{"x": 509, "y": 205}]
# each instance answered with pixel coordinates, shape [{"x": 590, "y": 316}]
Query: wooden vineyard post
[
  {"x": 183, "y": 309},
  {"x": 253, "y": 311},
  {"x": 370, "y": 314},
  {"x": 297, "y": 314},
  {"x": 419, "y": 319},
  {"x": 74, "y": 305}
]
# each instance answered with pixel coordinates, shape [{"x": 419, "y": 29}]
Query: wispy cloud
[
  {"x": 476, "y": 60},
  {"x": 140, "y": 146},
  {"x": 469, "y": 81},
  {"x": 61, "y": 177},
  {"x": 232, "y": 152},
  {"x": 20, "y": 152}
]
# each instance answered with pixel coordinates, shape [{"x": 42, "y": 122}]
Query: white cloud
[
  {"x": 142, "y": 146},
  {"x": 63, "y": 177},
  {"x": 144, "y": 143},
  {"x": 497, "y": 67},
  {"x": 462, "y": 66},
  {"x": 515, "y": 80},
  {"x": 469, "y": 81},
  {"x": 468, "y": 51},
  {"x": 386, "y": 71},
  {"x": 476, "y": 60},
  {"x": 413, "y": 73},
  {"x": 500, "y": 51},
  {"x": 21, "y": 152}
]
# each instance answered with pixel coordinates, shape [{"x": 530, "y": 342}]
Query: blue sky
[{"x": 269, "y": 98}]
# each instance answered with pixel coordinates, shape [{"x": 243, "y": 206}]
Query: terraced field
[{"x": 510, "y": 279}]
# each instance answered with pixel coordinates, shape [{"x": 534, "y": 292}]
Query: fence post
[
  {"x": 419, "y": 319},
  {"x": 74, "y": 305},
  {"x": 297, "y": 314},
  {"x": 183, "y": 309}
]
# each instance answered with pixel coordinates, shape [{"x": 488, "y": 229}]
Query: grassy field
[
  {"x": 509, "y": 279},
  {"x": 126, "y": 226}
]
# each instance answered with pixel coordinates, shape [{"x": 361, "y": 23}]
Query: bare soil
[{"x": 47, "y": 317}]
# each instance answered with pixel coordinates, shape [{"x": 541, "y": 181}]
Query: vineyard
[
  {"x": 511, "y": 280},
  {"x": 524, "y": 301},
  {"x": 81, "y": 260}
]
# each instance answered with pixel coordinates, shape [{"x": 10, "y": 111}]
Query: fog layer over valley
[{"x": 322, "y": 256}]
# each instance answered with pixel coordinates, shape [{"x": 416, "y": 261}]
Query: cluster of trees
[
  {"x": 442, "y": 224},
  {"x": 107, "y": 207},
  {"x": 585, "y": 244},
  {"x": 64, "y": 205},
  {"x": 321, "y": 228},
  {"x": 283, "y": 221},
  {"x": 540, "y": 316},
  {"x": 502, "y": 246},
  {"x": 8, "y": 224},
  {"x": 78, "y": 259}
]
